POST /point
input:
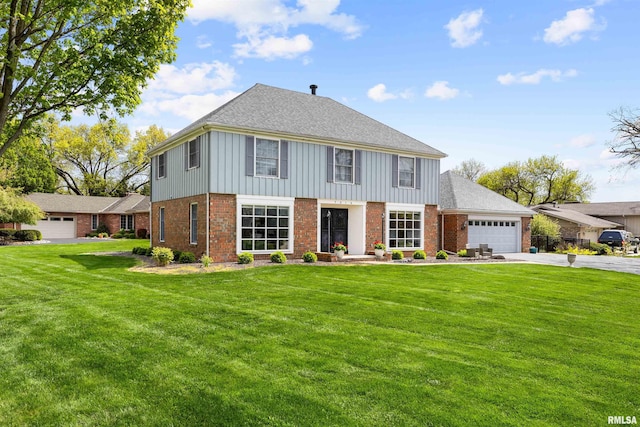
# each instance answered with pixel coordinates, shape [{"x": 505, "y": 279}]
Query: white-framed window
[
  {"x": 406, "y": 171},
  {"x": 267, "y": 157},
  {"x": 162, "y": 165},
  {"x": 193, "y": 224},
  {"x": 265, "y": 224},
  {"x": 126, "y": 222},
  {"x": 193, "y": 154},
  {"x": 161, "y": 224},
  {"x": 94, "y": 222},
  {"x": 343, "y": 164},
  {"x": 405, "y": 227}
]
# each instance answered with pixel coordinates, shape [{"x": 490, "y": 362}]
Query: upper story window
[
  {"x": 192, "y": 154},
  {"x": 162, "y": 165},
  {"x": 267, "y": 157},
  {"x": 343, "y": 165},
  {"x": 406, "y": 171}
]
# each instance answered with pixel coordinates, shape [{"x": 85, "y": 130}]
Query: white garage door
[
  {"x": 55, "y": 227},
  {"x": 501, "y": 235}
]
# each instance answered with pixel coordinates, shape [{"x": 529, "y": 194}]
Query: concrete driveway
[{"x": 612, "y": 263}]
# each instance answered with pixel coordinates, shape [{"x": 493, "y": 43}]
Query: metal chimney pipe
[{"x": 313, "y": 89}]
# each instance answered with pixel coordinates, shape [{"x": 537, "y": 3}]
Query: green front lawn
[{"x": 83, "y": 341}]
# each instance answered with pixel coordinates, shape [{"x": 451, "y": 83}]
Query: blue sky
[{"x": 496, "y": 81}]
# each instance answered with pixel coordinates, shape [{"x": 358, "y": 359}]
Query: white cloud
[
  {"x": 271, "y": 47},
  {"x": 191, "y": 107},
  {"x": 583, "y": 141},
  {"x": 572, "y": 27},
  {"x": 379, "y": 93},
  {"x": 535, "y": 78},
  {"x": 463, "y": 30},
  {"x": 441, "y": 90},
  {"x": 203, "y": 42},
  {"x": 265, "y": 24}
]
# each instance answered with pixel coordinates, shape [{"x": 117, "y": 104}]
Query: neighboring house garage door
[
  {"x": 55, "y": 227},
  {"x": 502, "y": 236}
]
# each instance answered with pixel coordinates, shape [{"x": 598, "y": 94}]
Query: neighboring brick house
[
  {"x": 626, "y": 214},
  {"x": 471, "y": 214},
  {"x": 70, "y": 216},
  {"x": 275, "y": 169},
  {"x": 574, "y": 224}
]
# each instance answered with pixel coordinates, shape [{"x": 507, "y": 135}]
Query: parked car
[{"x": 619, "y": 239}]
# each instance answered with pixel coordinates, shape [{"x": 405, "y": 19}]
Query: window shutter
[
  {"x": 418, "y": 173},
  {"x": 284, "y": 159},
  {"x": 249, "y": 148},
  {"x": 394, "y": 170},
  {"x": 330, "y": 164},
  {"x": 358, "y": 168}
]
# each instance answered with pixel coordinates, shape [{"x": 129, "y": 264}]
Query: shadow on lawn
[{"x": 98, "y": 262}]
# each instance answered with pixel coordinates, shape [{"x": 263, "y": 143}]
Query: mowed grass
[{"x": 83, "y": 341}]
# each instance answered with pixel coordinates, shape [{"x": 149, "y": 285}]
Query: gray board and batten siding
[{"x": 306, "y": 174}]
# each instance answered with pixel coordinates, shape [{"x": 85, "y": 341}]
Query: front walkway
[{"x": 612, "y": 263}]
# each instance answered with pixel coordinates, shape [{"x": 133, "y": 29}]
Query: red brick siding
[
  {"x": 431, "y": 229},
  {"x": 526, "y": 234},
  {"x": 374, "y": 225},
  {"x": 83, "y": 225},
  {"x": 222, "y": 217},
  {"x": 455, "y": 238},
  {"x": 177, "y": 224},
  {"x": 141, "y": 222},
  {"x": 305, "y": 226}
]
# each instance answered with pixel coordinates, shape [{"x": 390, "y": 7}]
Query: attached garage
[
  {"x": 500, "y": 234},
  {"x": 55, "y": 227}
]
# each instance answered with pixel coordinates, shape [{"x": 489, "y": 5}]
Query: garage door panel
[
  {"x": 55, "y": 227},
  {"x": 500, "y": 235}
]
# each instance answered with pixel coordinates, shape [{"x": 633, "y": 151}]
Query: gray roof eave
[
  {"x": 519, "y": 213},
  {"x": 199, "y": 130}
]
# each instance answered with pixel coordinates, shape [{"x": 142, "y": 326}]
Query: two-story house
[{"x": 275, "y": 169}]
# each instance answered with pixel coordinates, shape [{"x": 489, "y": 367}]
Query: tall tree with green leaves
[
  {"x": 15, "y": 208},
  {"x": 61, "y": 55},
  {"x": 540, "y": 180},
  {"x": 26, "y": 166},
  {"x": 102, "y": 159}
]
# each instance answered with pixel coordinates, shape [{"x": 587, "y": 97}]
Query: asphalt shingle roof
[
  {"x": 459, "y": 194},
  {"x": 270, "y": 109},
  {"x": 574, "y": 216},
  {"x": 605, "y": 209},
  {"x": 71, "y": 203}
]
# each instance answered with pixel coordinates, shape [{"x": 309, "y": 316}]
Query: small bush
[
  {"x": 187, "y": 258},
  {"x": 124, "y": 234},
  {"x": 149, "y": 251},
  {"x": 419, "y": 254},
  {"x": 309, "y": 257},
  {"x": 176, "y": 254},
  {"x": 28, "y": 235},
  {"x": 92, "y": 234},
  {"x": 600, "y": 248},
  {"x": 396, "y": 254},
  {"x": 162, "y": 256},
  {"x": 278, "y": 257},
  {"x": 103, "y": 228},
  {"x": 462, "y": 253},
  {"x": 8, "y": 233},
  {"x": 205, "y": 260},
  {"x": 442, "y": 255},
  {"x": 142, "y": 233},
  {"x": 245, "y": 258}
]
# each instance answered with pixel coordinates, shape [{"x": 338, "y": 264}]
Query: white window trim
[
  {"x": 193, "y": 240},
  {"x": 162, "y": 219},
  {"x": 165, "y": 165},
  {"x": 255, "y": 156},
  {"x": 335, "y": 165},
  {"x": 414, "y": 172},
  {"x": 264, "y": 200},
  {"x": 403, "y": 207}
]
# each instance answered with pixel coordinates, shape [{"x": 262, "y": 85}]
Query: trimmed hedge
[
  {"x": 396, "y": 254},
  {"x": 28, "y": 235},
  {"x": 419, "y": 254},
  {"x": 442, "y": 255},
  {"x": 309, "y": 257},
  {"x": 278, "y": 257},
  {"x": 187, "y": 258},
  {"x": 245, "y": 258}
]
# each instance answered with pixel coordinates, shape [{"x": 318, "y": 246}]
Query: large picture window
[
  {"x": 405, "y": 229},
  {"x": 343, "y": 165},
  {"x": 406, "y": 169},
  {"x": 267, "y": 154},
  {"x": 266, "y": 228}
]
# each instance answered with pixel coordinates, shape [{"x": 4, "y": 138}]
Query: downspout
[{"x": 208, "y": 210}]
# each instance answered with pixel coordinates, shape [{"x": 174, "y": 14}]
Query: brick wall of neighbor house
[
  {"x": 222, "y": 238},
  {"x": 430, "y": 229},
  {"x": 83, "y": 224},
  {"x": 177, "y": 224},
  {"x": 141, "y": 221},
  {"x": 305, "y": 226},
  {"x": 526, "y": 233},
  {"x": 375, "y": 224},
  {"x": 454, "y": 237}
]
